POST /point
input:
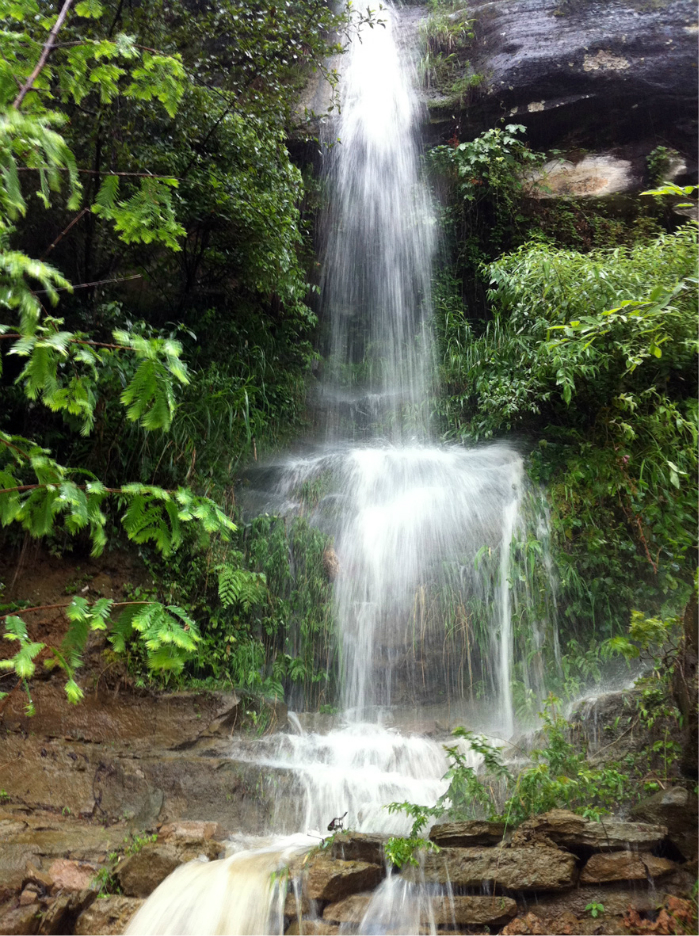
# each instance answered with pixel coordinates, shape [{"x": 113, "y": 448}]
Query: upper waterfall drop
[{"x": 380, "y": 239}]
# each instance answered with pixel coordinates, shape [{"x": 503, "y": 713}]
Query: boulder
[
  {"x": 71, "y": 875},
  {"x": 63, "y": 912},
  {"x": 141, "y": 873},
  {"x": 359, "y": 846},
  {"x": 349, "y": 910},
  {"x": 327, "y": 878},
  {"x": 107, "y": 916},
  {"x": 20, "y": 921},
  {"x": 473, "y": 910},
  {"x": 28, "y": 896},
  {"x": 312, "y": 928},
  {"x": 446, "y": 911},
  {"x": 675, "y": 808},
  {"x": 467, "y": 834},
  {"x": 625, "y": 866},
  {"x": 520, "y": 869},
  {"x": 39, "y": 879},
  {"x": 578, "y": 834}
]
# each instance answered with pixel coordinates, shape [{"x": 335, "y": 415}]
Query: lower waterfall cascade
[{"x": 421, "y": 531}]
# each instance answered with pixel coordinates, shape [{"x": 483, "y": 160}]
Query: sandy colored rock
[
  {"x": 71, "y": 875},
  {"x": 596, "y": 176},
  {"x": 42, "y": 880},
  {"x": 359, "y": 846},
  {"x": 192, "y": 829},
  {"x": 349, "y": 910},
  {"x": 328, "y": 878},
  {"x": 625, "y": 866},
  {"x": 312, "y": 928},
  {"x": 20, "y": 921},
  {"x": 107, "y": 916},
  {"x": 141, "y": 873},
  {"x": 574, "y": 832},
  {"x": 331, "y": 563},
  {"x": 467, "y": 834},
  {"x": 523, "y": 869}
]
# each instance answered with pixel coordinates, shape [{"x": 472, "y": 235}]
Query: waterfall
[
  {"x": 379, "y": 244},
  {"x": 424, "y": 536}
]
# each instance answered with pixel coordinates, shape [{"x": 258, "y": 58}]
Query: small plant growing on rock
[
  {"x": 594, "y": 909},
  {"x": 400, "y": 851}
]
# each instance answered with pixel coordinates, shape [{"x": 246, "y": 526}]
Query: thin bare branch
[{"x": 45, "y": 52}]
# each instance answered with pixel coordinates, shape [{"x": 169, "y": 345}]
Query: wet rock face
[
  {"x": 517, "y": 869},
  {"x": 467, "y": 834},
  {"x": 359, "y": 846},
  {"x": 613, "y": 71},
  {"x": 581, "y": 835},
  {"x": 141, "y": 873},
  {"x": 109, "y": 916},
  {"x": 326, "y": 878},
  {"x": 625, "y": 866}
]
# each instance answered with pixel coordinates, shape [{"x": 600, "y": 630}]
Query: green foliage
[
  {"x": 594, "y": 909},
  {"x": 446, "y": 36},
  {"x": 658, "y": 162},
  {"x": 559, "y": 777},
  {"x": 645, "y": 633},
  {"x": 401, "y": 851},
  {"x": 172, "y": 152},
  {"x": 594, "y": 355}
]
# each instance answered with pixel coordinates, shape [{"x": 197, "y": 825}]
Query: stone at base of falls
[
  {"x": 20, "y": 921},
  {"x": 615, "y": 897},
  {"x": 326, "y": 878},
  {"x": 312, "y": 928},
  {"x": 107, "y": 916},
  {"x": 625, "y": 866},
  {"x": 141, "y": 873},
  {"x": 530, "y": 924},
  {"x": 675, "y": 808},
  {"x": 64, "y": 911},
  {"x": 520, "y": 869},
  {"x": 70, "y": 875},
  {"x": 467, "y": 834},
  {"x": 359, "y": 846},
  {"x": 296, "y": 905},
  {"x": 466, "y": 911},
  {"x": 574, "y": 832},
  {"x": 349, "y": 910},
  {"x": 192, "y": 829},
  {"x": 446, "y": 911}
]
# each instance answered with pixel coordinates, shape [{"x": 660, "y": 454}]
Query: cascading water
[{"x": 422, "y": 534}]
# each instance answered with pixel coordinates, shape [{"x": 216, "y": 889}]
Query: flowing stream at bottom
[
  {"x": 358, "y": 769},
  {"x": 421, "y": 533}
]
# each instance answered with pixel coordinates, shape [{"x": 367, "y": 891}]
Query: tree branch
[
  {"x": 45, "y": 52},
  {"x": 50, "y": 607}
]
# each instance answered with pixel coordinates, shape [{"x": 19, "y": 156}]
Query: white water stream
[{"x": 422, "y": 535}]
